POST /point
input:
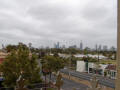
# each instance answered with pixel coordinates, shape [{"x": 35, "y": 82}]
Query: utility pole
[
  {"x": 118, "y": 47},
  {"x": 98, "y": 51},
  {"x": 70, "y": 63}
]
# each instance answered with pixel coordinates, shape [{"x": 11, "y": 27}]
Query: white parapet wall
[{"x": 80, "y": 66}]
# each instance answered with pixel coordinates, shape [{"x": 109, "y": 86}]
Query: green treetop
[{"x": 20, "y": 63}]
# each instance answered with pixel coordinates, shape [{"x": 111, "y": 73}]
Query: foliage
[
  {"x": 86, "y": 51},
  {"x": 107, "y": 62},
  {"x": 11, "y": 48},
  {"x": 56, "y": 55},
  {"x": 72, "y": 61},
  {"x": 20, "y": 63},
  {"x": 89, "y": 59},
  {"x": 52, "y": 64},
  {"x": 59, "y": 81}
]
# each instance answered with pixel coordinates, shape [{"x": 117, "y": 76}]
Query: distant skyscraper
[
  {"x": 96, "y": 47},
  {"x": 54, "y": 45},
  {"x": 57, "y": 45},
  {"x": 105, "y": 48},
  {"x": 81, "y": 45}
]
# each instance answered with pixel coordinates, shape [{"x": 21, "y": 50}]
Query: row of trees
[
  {"x": 22, "y": 63},
  {"x": 87, "y": 50},
  {"x": 72, "y": 51}
]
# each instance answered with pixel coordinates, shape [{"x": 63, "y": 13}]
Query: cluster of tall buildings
[
  {"x": 104, "y": 48},
  {"x": 57, "y": 45},
  {"x": 81, "y": 47}
]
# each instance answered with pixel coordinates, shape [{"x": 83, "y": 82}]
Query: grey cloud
[
  {"x": 49, "y": 12},
  {"x": 57, "y": 20},
  {"x": 94, "y": 13}
]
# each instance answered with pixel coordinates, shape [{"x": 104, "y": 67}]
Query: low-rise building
[
  {"x": 81, "y": 66},
  {"x": 101, "y": 57},
  {"x": 96, "y": 68},
  {"x": 110, "y": 71},
  {"x": 107, "y": 70}
]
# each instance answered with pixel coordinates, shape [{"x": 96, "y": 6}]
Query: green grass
[{"x": 107, "y": 62}]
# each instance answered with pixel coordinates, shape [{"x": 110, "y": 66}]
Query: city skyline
[
  {"x": 50, "y": 21},
  {"x": 58, "y": 45}
]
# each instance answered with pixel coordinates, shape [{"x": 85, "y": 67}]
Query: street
[
  {"x": 69, "y": 84},
  {"x": 102, "y": 80}
]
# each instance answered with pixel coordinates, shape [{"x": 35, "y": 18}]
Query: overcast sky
[{"x": 44, "y": 22}]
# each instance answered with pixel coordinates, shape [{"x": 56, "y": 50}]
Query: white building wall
[{"x": 80, "y": 66}]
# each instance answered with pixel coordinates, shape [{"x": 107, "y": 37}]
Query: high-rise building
[
  {"x": 81, "y": 45},
  {"x": 105, "y": 48},
  {"x": 96, "y": 47},
  {"x": 57, "y": 45}
]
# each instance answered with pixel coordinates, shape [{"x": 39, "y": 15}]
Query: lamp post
[{"x": 118, "y": 46}]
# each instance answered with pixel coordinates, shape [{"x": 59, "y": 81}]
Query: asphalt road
[
  {"x": 102, "y": 80},
  {"x": 70, "y": 85}
]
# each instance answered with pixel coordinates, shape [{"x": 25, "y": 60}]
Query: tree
[
  {"x": 86, "y": 51},
  {"x": 73, "y": 61},
  {"x": 59, "y": 81},
  {"x": 54, "y": 63},
  {"x": 51, "y": 64},
  {"x": 56, "y": 55},
  {"x": 20, "y": 63},
  {"x": 9, "y": 48}
]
